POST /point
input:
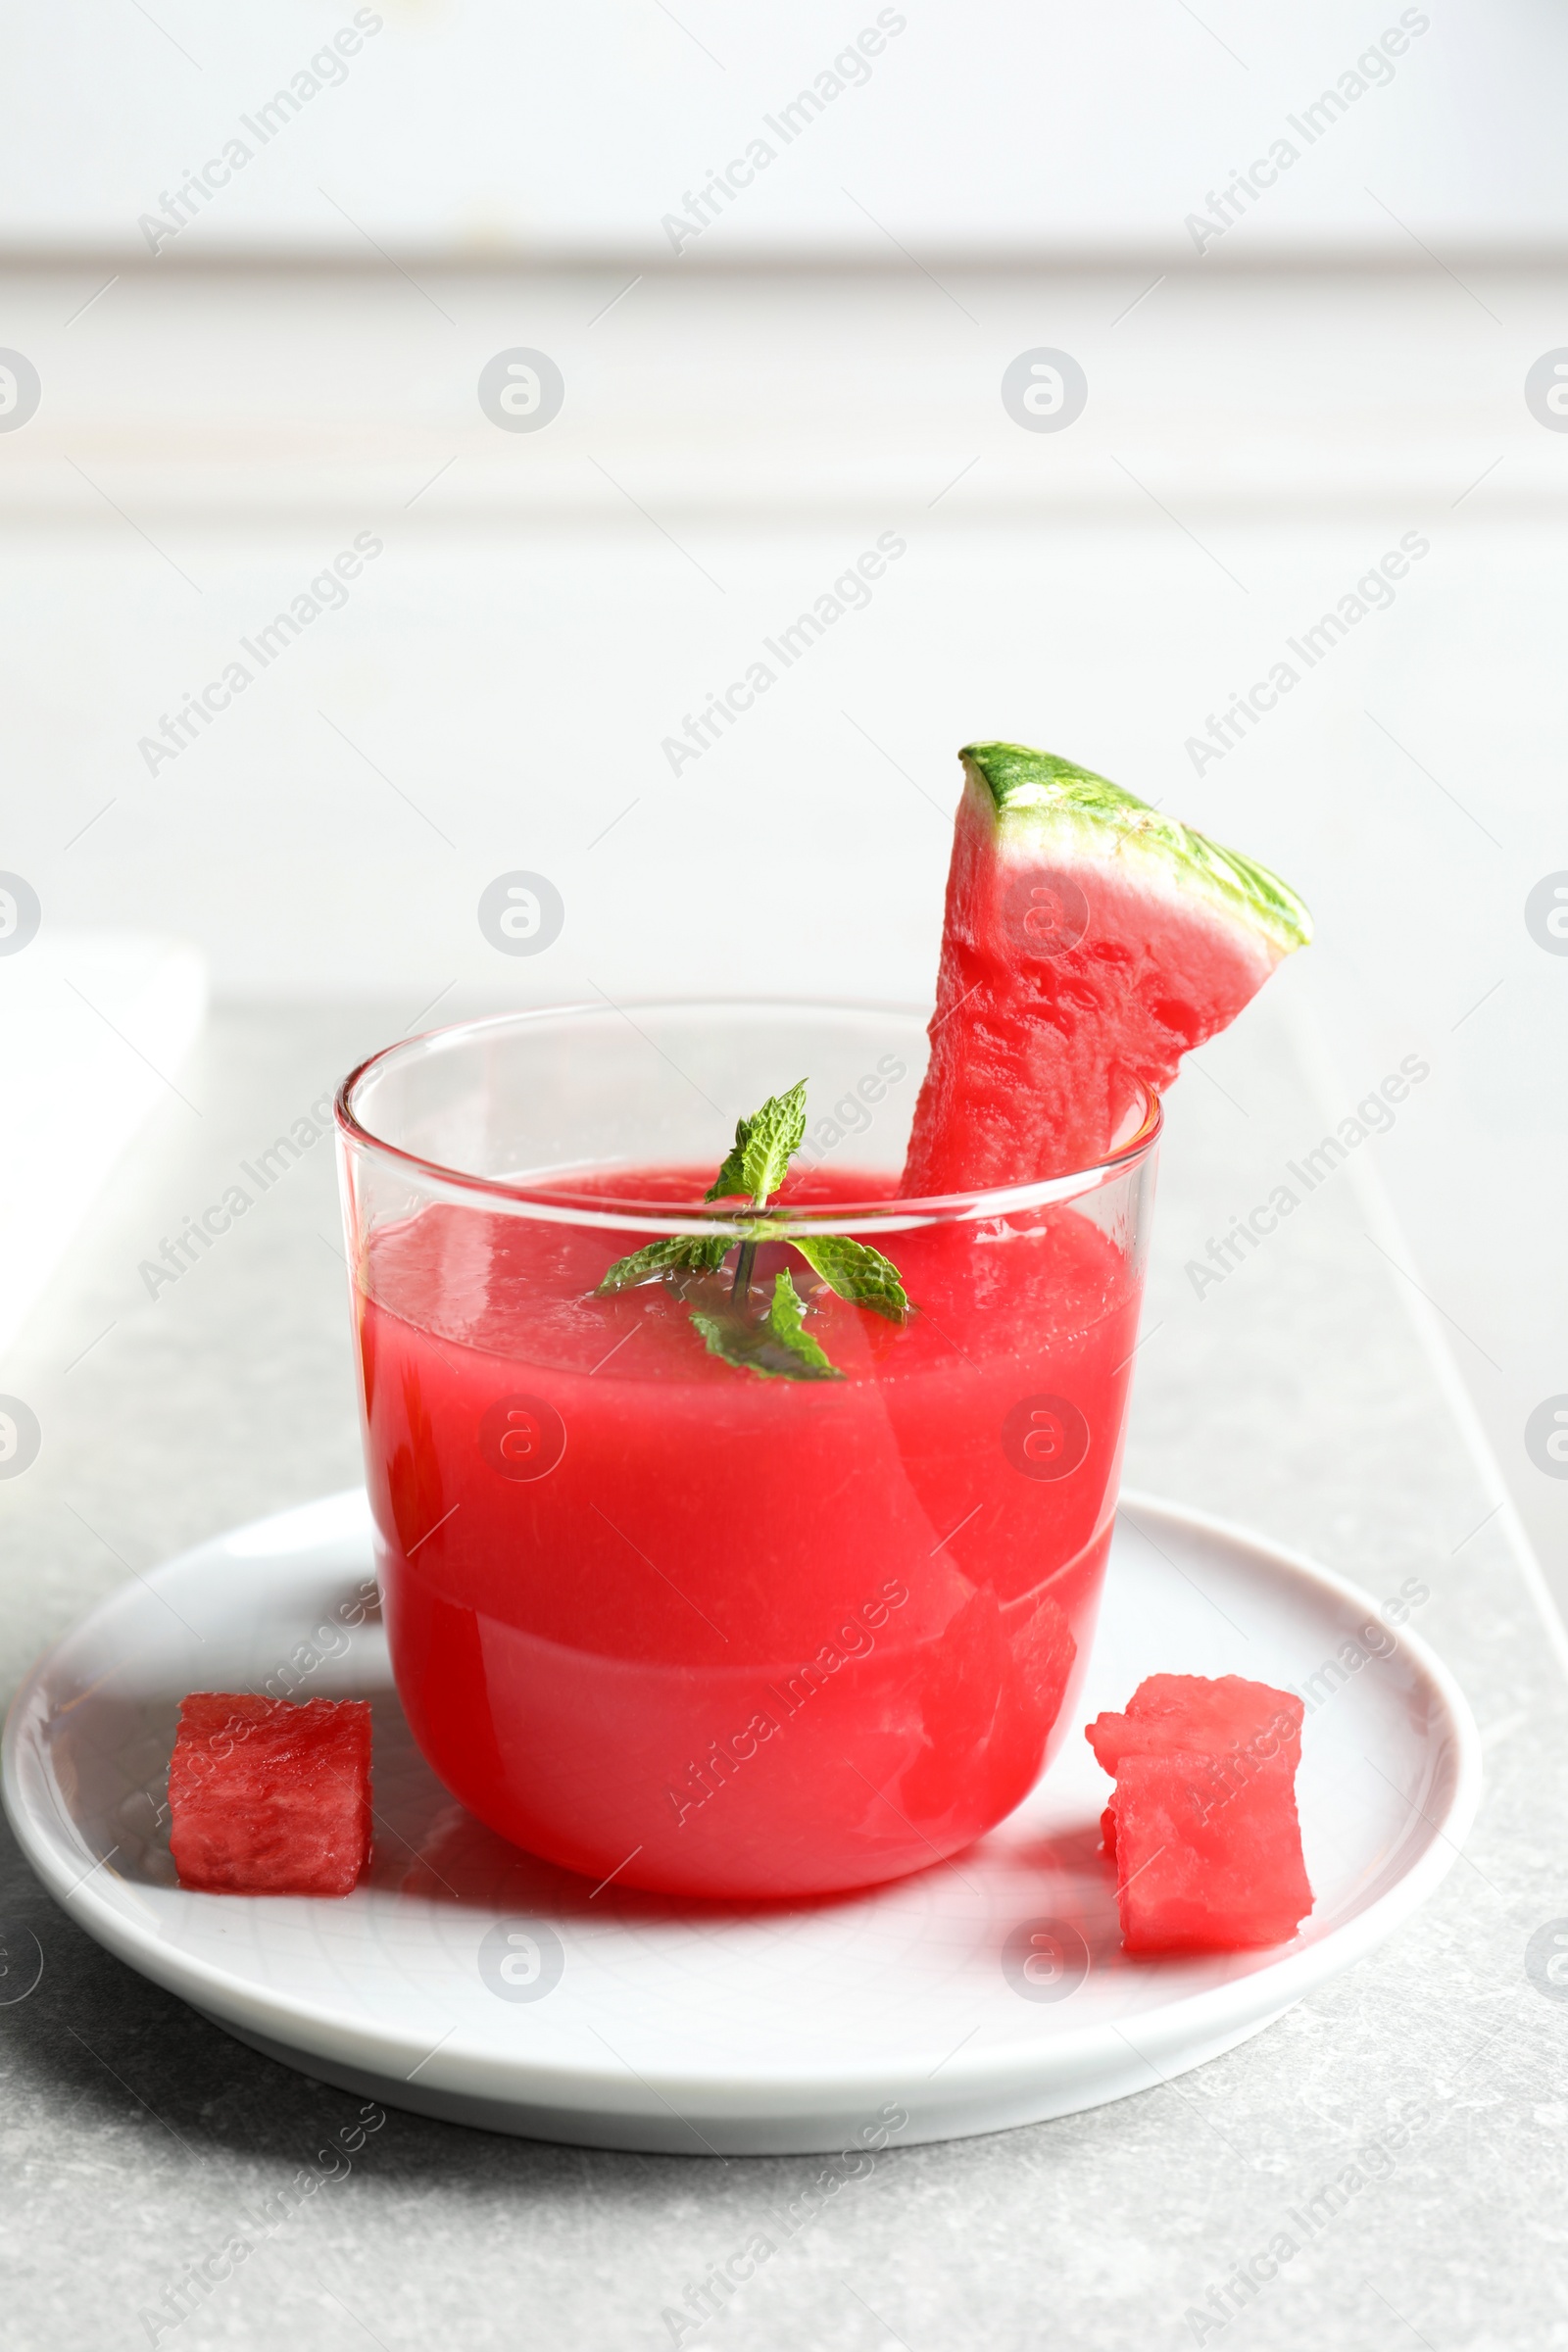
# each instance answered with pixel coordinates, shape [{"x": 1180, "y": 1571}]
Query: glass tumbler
[{"x": 657, "y": 1614}]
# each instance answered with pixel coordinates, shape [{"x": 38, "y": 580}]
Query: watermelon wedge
[{"x": 1089, "y": 944}]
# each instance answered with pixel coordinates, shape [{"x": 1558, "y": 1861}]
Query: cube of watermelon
[
  {"x": 1203, "y": 1825},
  {"x": 268, "y": 1798},
  {"x": 1205, "y": 1716},
  {"x": 1206, "y": 1866}
]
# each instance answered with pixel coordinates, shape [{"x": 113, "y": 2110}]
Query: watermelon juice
[{"x": 655, "y": 1616}]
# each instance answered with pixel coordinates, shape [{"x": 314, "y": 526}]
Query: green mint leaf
[
  {"x": 731, "y": 1177},
  {"x": 680, "y": 1252},
  {"x": 857, "y": 1272},
  {"x": 773, "y": 1136},
  {"x": 764, "y": 1146},
  {"x": 779, "y": 1346},
  {"x": 786, "y": 1320}
]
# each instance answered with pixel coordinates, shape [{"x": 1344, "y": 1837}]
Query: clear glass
[{"x": 655, "y": 1615}]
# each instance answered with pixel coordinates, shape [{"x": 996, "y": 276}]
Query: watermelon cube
[
  {"x": 1203, "y": 1825},
  {"x": 1202, "y": 1866},
  {"x": 268, "y": 1798},
  {"x": 1204, "y": 1716}
]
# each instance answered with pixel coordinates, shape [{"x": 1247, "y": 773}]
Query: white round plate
[{"x": 470, "y": 1981}]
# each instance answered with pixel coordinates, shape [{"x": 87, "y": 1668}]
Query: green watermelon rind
[{"x": 1041, "y": 807}]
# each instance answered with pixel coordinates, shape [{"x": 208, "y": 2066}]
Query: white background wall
[
  {"x": 480, "y": 125},
  {"x": 495, "y": 693}
]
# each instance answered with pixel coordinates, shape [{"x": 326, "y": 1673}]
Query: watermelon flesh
[
  {"x": 267, "y": 1798},
  {"x": 1202, "y": 1866},
  {"x": 1089, "y": 944},
  {"x": 1203, "y": 1825},
  {"x": 1204, "y": 1717},
  {"x": 1212, "y": 1715}
]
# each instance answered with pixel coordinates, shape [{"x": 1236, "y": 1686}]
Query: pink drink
[{"x": 729, "y": 1636}]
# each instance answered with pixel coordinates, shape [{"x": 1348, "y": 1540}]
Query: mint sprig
[{"x": 773, "y": 1342}]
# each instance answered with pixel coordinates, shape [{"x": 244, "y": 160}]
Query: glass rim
[{"x": 557, "y": 1203}]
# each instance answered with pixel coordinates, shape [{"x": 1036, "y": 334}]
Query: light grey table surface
[{"x": 1296, "y": 1396}]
